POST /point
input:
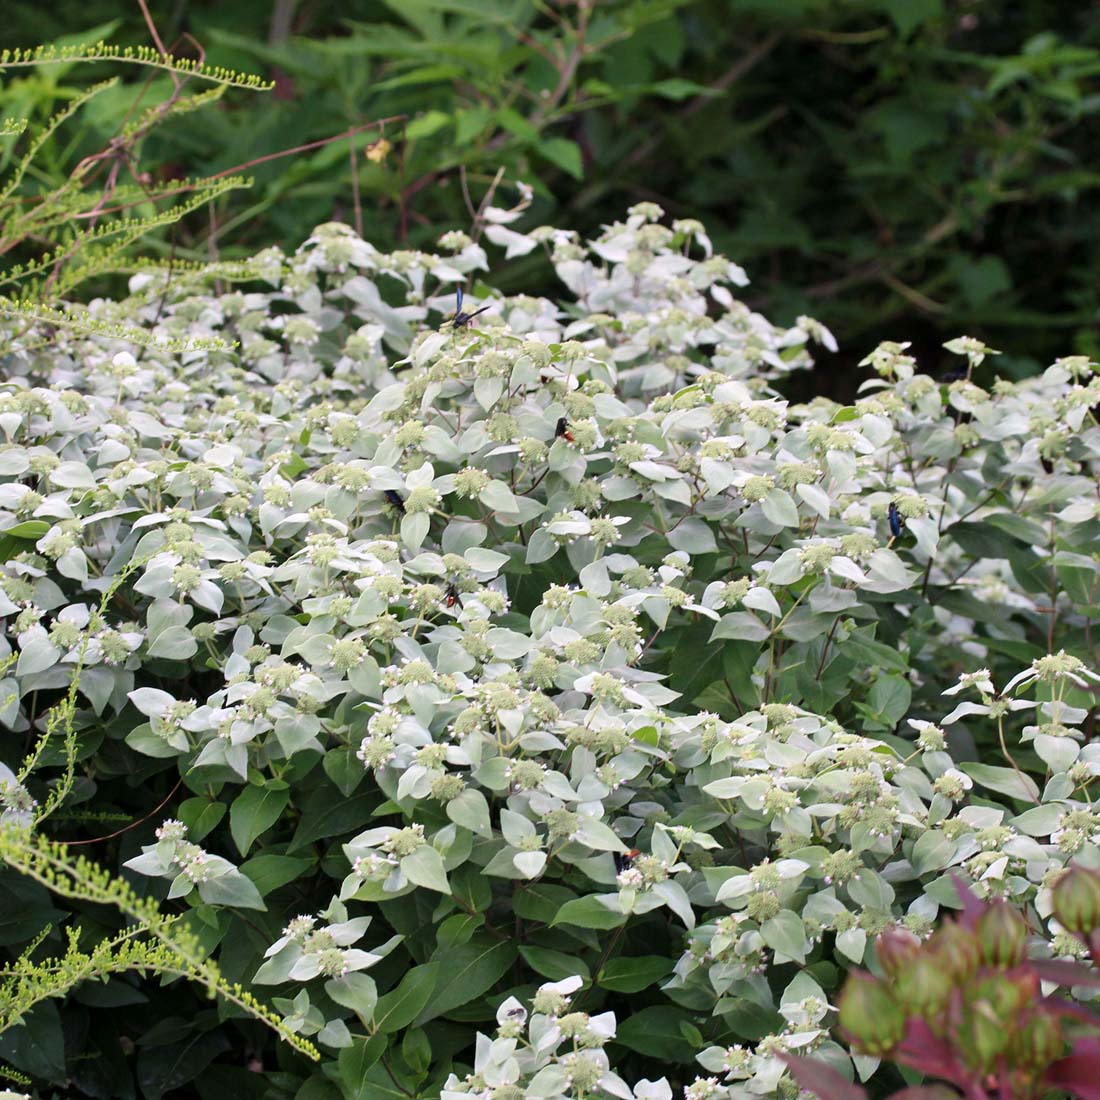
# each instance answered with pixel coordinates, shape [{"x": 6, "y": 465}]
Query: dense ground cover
[{"x": 547, "y": 678}]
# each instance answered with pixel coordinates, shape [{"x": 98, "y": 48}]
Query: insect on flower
[
  {"x": 896, "y": 522},
  {"x": 561, "y": 431},
  {"x": 460, "y": 319},
  {"x": 625, "y": 860},
  {"x": 394, "y": 498},
  {"x": 452, "y": 596}
]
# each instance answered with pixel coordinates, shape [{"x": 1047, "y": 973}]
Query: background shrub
[{"x": 905, "y": 170}]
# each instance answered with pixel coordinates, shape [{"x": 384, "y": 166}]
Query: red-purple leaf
[
  {"x": 924, "y": 1050},
  {"x": 1078, "y": 1072},
  {"x": 972, "y": 906},
  {"x": 1065, "y": 972},
  {"x": 822, "y": 1080},
  {"x": 1060, "y": 1006},
  {"x": 925, "y": 1092}
]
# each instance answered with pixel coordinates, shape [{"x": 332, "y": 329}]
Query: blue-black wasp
[
  {"x": 896, "y": 522},
  {"x": 394, "y": 498},
  {"x": 561, "y": 430},
  {"x": 460, "y": 319}
]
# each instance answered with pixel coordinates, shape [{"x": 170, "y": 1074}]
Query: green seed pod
[
  {"x": 1001, "y": 932},
  {"x": 957, "y": 951},
  {"x": 989, "y": 1039},
  {"x": 1040, "y": 1043},
  {"x": 923, "y": 988},
  {"x": 1076, "y": 899},
  {"x": 870, "y": 1015},
  {"x": 994, "y": 1013},
  {"x": 896, "y": 949}
]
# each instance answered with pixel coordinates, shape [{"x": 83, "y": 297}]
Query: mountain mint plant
[{"x": 543, "y": 706}]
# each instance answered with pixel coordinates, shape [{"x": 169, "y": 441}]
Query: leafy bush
[
  {"x": 904, "y": 169},
  {"x": 547, "y": 676}
]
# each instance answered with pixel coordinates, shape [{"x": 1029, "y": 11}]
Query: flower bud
[
  {"x": 923, "y": 988},
  {"x": 988, "y": 1041},
  {"x": 871, "y": 1018},
  {"x": 1040, "y": 1042},
  {"x": 1001, "y": 932},
  {"x": 1076, "y": 900},
  {"x": 993, "y": 1011},
  {"x": 896, "y": 948},
  {"x": 957, "y": 951}
]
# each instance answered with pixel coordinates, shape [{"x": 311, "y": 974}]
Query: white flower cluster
[{"x": 190, "y": 867}]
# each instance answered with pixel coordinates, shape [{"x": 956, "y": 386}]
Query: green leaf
[
  {"x": 471, "y": 889},
  {"x": 889, "y": 699},
  {"x": 908, "y": 15},
  {"x": 398, "y": 1008},
  {"x": 233, "y": 889},
  {"x": 344, "y": 768},
  {"x": 932, "y": 852},
  {"x": 632, "y": 974},
  {"x": 656, "y": 1032},
  {"x": 142, "y": 739},
  {"x": 353, "y": 1063},
  {"x": 255, "y": 810},
  {"x": 200, "y": 815},
  {"x": 268, "y": 871},
  {"x": 466, "y": 973},
  {"x": 162, "y": 1069},
  {"x": 541, "y": 901},
  {"x": 1040, "y": 820},
  {"x": 173, "y": 644},
  {"x": 564, "y": 153},
  {"x": 325, "y": 816},
  {"x": 588, "y": 912},
  {"x": 356, "y": 991},
  {"x": 416, "y": 1049},
  {"x": 429, "y": 123},
  {"x": 27, "y": 909},
  {"x": 36, "y": 1046},
  {"x": 32, "y": 529},
  {"x": 786, "y": 934},
  {"x": 471, "y": 810},
  {"x": 554, "y": 965},
  {"x": 677, "y": 89},
  {"x": 424, "y": 867},
  {"x": 779, "y": 507},
  {"x": 1003, "y": 780}
]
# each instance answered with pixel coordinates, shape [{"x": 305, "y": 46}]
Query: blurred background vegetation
[{"x": 899, "y": 169}]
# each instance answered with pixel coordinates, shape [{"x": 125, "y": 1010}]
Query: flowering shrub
[{"x": 551, "y": 647}]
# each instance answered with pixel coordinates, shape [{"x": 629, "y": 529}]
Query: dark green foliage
[{"x": 897, "y": 168}]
